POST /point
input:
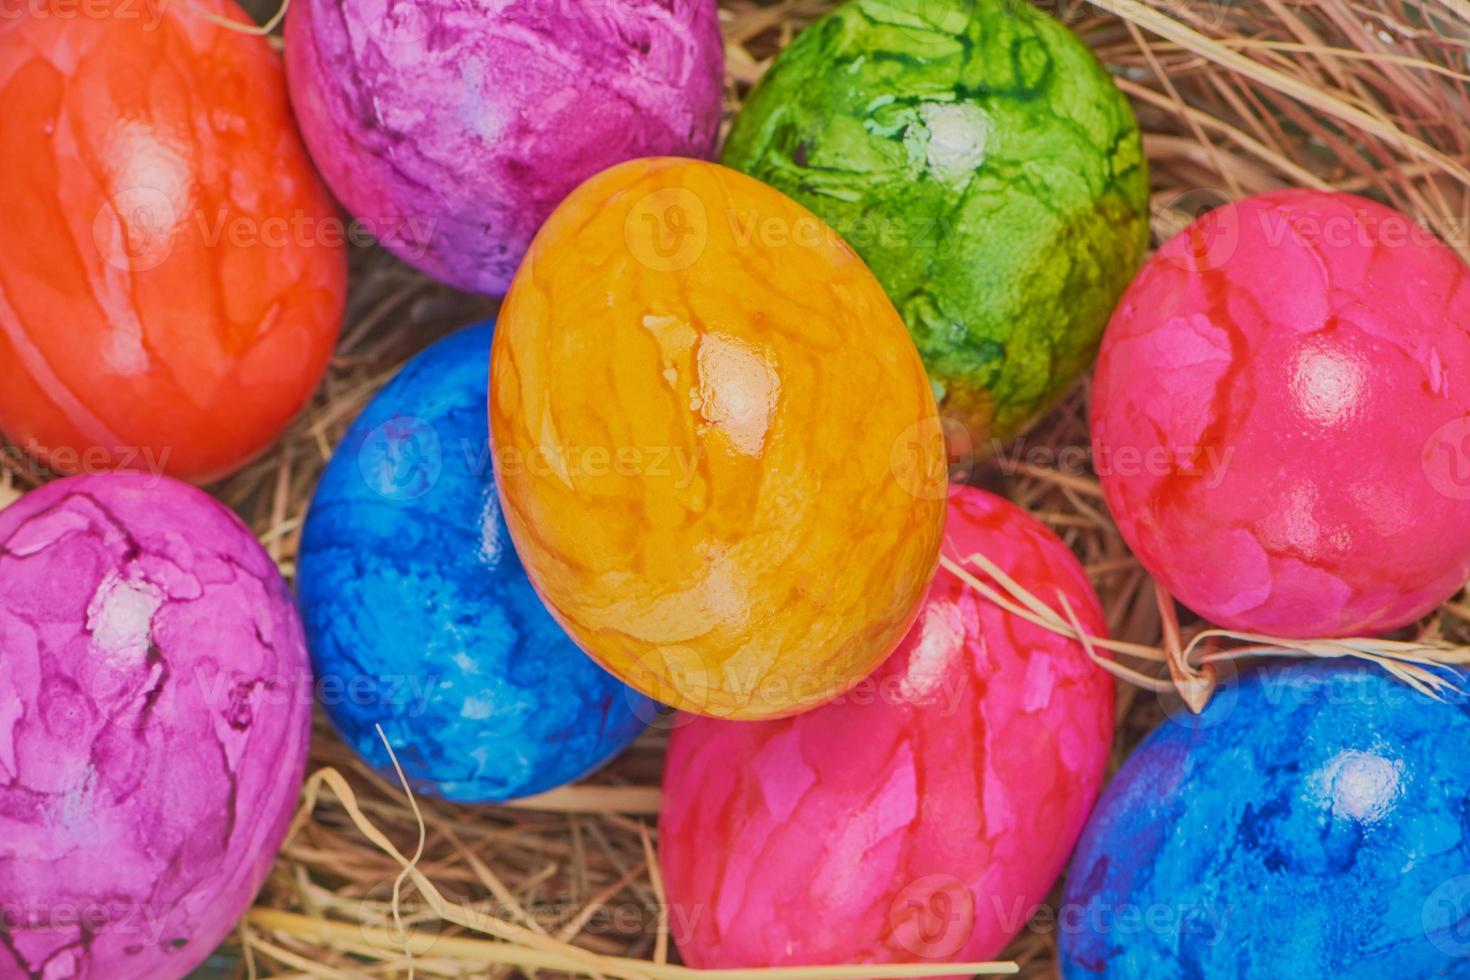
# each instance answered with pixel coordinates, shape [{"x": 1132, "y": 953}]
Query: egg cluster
[{"x": 700, "y": 461}]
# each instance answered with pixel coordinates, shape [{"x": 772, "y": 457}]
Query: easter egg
[
  {"x": 1280, "y": 412},
  {"x": 982, "y": 162},
  {"x": 451, "y": 130},
  {"x": 923, "y": 815},
  {"x": 171, "y": 269},
  {"x": 1310, "y": 823},
  {"x": 155, "y": 708},
  {"x": 419, "y": 617},
  {"x": 717, "y": 450}
]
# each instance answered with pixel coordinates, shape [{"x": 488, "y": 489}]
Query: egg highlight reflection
[{"x": 419, "y": 616}]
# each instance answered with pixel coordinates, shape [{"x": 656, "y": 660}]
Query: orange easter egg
[
  {"x": 172, "y": 270},
  {"x": 717, "y": 450}
]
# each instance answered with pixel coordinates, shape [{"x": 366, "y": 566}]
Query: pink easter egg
[
  {"x": 1281, "y": 416},
  {"x": 923, "y": 815},
  {"x": 155, "y": 710}
]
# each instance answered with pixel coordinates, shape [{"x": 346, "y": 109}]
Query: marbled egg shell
[
  {"x": 1310, "y": 823},
  {"x": 717, "y": 449},
  {"x": 451, "y": 130},
  {"x": 171, "y": 268},
  {"x": 418, "y": 613},
  {"x": 923, "y": 815},
  {"x": 1280, "y": 416},
  {"x": 155, "y": 708},
  {"x": 979, "y": 157}
]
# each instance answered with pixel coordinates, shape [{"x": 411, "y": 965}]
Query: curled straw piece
[
  {"x": 512, "y": 944},
  {"x": 1191, "y": 665},
  {"x": 1195, "y": 685},
  {"x": 254, "y": 30}
]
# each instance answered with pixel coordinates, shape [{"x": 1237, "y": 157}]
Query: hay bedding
[{"x": 1370, "y": 96}]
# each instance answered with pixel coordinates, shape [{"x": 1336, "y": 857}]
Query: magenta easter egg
[
  {"x": 451, "y": 130},
  {"x": 1281, "y": 416},
  {"x": 155, "y": 708},
  {"x": 920, "y": 817}
]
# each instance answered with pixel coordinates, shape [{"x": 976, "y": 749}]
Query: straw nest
[{"x": 1371, "y": 96}]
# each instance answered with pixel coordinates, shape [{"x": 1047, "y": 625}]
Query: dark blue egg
[
  {"x": 419, "y": 616},
  {"x": 1314, "y": 821}
]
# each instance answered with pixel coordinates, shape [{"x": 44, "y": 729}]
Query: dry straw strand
[{"x": 1418, "y": 663}]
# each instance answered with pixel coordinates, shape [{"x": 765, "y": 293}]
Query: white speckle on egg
[
  {"x": 476, "y": 709},
  {"x": 491, "y": 545},
  {"x": 120, "y": 619},
  {"x": 1361, "y": 785},
  {"x": 477, "y": 113},
  {"x": 958, "y": 136}
]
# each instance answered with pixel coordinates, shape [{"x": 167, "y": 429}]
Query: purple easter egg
[
  {"x": 155, "y": 711},
  {"x": 451, "y": 128}
]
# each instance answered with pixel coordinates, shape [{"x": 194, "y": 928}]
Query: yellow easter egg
[{"x": 716, "y": 448}]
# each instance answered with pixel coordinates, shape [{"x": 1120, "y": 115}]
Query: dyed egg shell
[
  {"x": 922, "y": 816},
  {"x": 1310, "y": 823},
  {"x": 1280, "y": 412},
  {"x": 171, "y": 269},
  {"x": 717, "y": 450},
  {"x": 155, "y": 708},
  {"x": 981, "y": 160},
  {"x": 452, "y": 130},
  {"x": 419, "y": 616}
]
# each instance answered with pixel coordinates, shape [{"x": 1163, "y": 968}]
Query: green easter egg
[{"x": 981, "y": 160}]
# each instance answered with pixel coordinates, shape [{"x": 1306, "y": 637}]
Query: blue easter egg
[
  {"x": 419, "y": 616},
  {"x": 1315, "y": 823}
]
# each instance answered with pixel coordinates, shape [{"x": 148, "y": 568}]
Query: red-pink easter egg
[
  {"x": 1281, "y": 416},
  {"x": 921, "y": 816}
]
